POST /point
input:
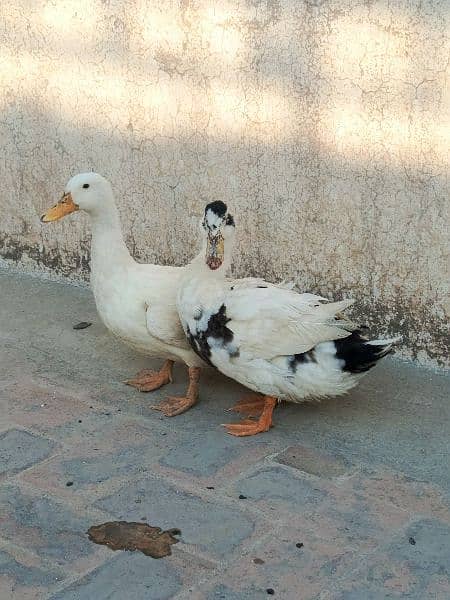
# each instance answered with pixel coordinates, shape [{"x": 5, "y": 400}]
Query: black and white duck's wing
[{"x": 271, "y": 321}]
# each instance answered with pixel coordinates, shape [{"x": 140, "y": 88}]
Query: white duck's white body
[{"x": 136, "y": 302}]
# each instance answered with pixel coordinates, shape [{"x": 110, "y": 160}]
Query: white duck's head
[
  {"x": 218, "y": 231},
  {"x": 87, "y": 191}
]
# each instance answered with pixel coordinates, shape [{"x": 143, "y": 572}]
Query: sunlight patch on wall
[
  {"x": 352, "y": 133},
  {"x": 66, "y": 15},
  {"x": 213, "y": 29},
  {"x": 97, "y": 96},
  {"x": 261, "y": 115},
  {"x": 373, "y": 76},
  {"x": 365, "y": 51},
  {"x": 219, "y": 28},
  {"x": 161, "y": 26}
]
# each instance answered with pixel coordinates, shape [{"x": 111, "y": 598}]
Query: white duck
[
  {"x": 284, "y": 345},
  {"x": 136, "y": 302}
]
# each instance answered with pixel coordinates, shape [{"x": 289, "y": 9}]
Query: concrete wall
[{"x": 324, "y": 124}]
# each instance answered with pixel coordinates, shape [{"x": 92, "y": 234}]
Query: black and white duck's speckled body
[{"x": 269, "y": 338}]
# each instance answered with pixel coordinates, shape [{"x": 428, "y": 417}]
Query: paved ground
[{"x": 347, "y": 499}]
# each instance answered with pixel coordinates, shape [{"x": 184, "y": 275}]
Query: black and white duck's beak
[{"x": 215, "y": 251}]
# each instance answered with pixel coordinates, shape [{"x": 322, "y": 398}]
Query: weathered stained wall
[{"x": 324, "y": 124}]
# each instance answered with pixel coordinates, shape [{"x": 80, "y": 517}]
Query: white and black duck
[{"x": 279, "y": 343}]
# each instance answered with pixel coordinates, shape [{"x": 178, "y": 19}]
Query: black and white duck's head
[
  {"x": 219, "y": 230},
  {"x": 87, "y": 191}
]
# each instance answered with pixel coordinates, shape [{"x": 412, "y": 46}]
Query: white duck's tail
[{"x": 360, "y": 354}]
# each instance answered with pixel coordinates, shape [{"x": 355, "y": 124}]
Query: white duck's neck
[{"x": 108, "y": 247}]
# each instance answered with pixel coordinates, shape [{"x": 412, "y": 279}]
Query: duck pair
[{"x": 280, "y": 344}]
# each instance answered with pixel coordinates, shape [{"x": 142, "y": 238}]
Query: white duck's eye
[{"x": 85, "y": 185}]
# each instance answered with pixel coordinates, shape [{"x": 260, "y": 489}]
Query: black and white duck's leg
[
  {"x": 173, "y": 406},
  {"x": 249, "y": 427},
  {"x": 250, "y": 405},
  {"x": 148, "y": 380}
]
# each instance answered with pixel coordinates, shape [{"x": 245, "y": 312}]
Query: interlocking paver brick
[
  {"x": 32, "y": 402},
  {"x": 20, "y": 449},
  {"x": 274, "y": 488},
  {"x": 99, "y": 463},
  {"x": 206, "y": 453},
  {"x": 415, "y": 565},
  {"x": 126, "y": 577},
  {"x": 313, "y": 462},
  {"x": 212, "y": 526},
  {"x": 20, "y": 580},
  {"x": 52, "y": 529}
]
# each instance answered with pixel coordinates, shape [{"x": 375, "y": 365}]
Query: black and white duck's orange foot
[
  {"x": 174, "y": 405},
  {"x": 148, "y": 380},
  {"x": 248, "y": 427},
  {"x": 250, "y": 405}
]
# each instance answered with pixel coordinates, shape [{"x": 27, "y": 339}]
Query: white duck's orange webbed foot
[
  {"x": 148, "y": 380},
  {"x": 249, "y": 427},
  {"x": 250, "y": 405},
  {"x": 173, "y": 405}
]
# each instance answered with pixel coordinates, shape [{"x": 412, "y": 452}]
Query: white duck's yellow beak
[
  {"x": 215, "y": 252},
  {"x": 64, "y": 207}
]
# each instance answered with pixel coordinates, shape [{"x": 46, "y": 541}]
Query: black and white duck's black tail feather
[{"x": 360, "y": 354}]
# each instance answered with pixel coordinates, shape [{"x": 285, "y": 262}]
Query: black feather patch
[
  {"x": 217, "y": 329},
  {"x": 230, "y": 221},
  {"x": 357, "y": 354},
  {"x": 218, "y": 207},
  {"x": 298, "y": 359}
]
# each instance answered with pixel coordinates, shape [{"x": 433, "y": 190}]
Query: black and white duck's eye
[{"x": 85, "y": 185}]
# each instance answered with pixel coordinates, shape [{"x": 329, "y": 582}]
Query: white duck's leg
[
  {"x": 248, "y": 427},
  {"x": 148, "y": 380},
  {"x": 173, "y": 406}
]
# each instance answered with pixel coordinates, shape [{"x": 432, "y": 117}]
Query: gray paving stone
[
  {"x": 126, "y": 577},
  {"x": 275, "y": 483},
  {"x": 313, "y": 462},
  {"x": 97, "y": 469},
  {"x": 39, "y": 522},
  {"x": 212, "y": 527},
  {"x": 204, "y": 454},
  {"x": 416, "y": 565},
  {"x": 20, "y": 450},
  {"x": 25, "y": 575},
  {"x": 222, "y": 592}
]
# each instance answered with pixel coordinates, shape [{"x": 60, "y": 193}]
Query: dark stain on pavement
[
  {"x": 82, "y": 325},
  {"x": 122, "y": 535}
]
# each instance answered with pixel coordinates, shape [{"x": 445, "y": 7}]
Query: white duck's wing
[
  {"x": 272, "y": 321},
  {"x": 163, "y": 323},
  {"x": 161, "y": 314}
]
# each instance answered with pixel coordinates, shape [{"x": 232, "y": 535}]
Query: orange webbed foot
[
  {"x": 250, "y": 405},
  {"x": 148, "y": 380},
  {"x": 174, "y": 405},
  {"x": 248, "y": 427}
]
